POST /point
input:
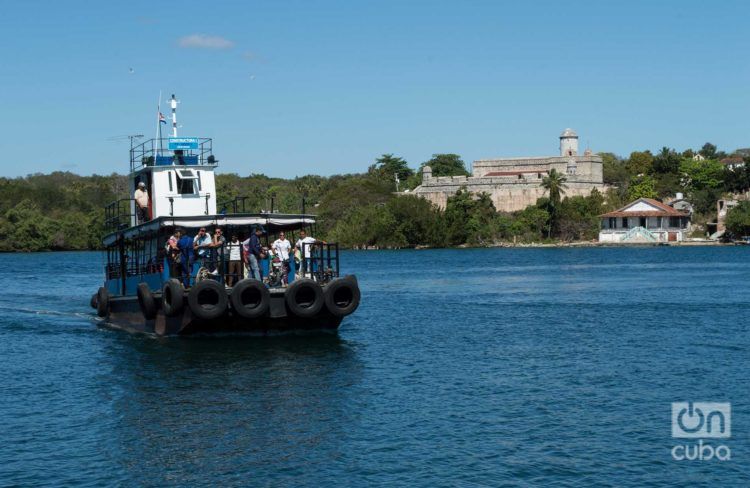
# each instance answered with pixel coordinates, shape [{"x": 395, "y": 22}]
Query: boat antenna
[
  {"x": 133, "y": 138},
  {"x": 158, "y": 128},
  {"x": 174, "y": 116}
]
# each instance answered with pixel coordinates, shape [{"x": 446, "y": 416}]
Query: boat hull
[{"x": 125, "y": 313}]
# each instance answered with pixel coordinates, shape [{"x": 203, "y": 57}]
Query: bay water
[{"x": 465, "y": 367}]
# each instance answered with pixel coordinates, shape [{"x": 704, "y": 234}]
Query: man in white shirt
[
  {"x": 303, "y": 245},
  {"x": 281, "y": 248},
  {"x": 235, "y": 261},
  {"x": 202, "y": 245},
  {"x": 141, "y": 203}
]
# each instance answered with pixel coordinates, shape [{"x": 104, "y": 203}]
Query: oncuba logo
[{"x": 701, "y": 420}]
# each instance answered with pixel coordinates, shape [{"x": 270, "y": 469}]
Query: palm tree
[{"x": 554, "y": 183}]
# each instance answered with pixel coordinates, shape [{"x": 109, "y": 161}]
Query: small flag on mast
[{"x": 162, "y": 119}]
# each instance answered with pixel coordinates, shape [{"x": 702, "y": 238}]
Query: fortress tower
[{"x": 568, "y": 143}]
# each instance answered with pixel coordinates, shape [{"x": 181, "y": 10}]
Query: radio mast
[{"x": 174, "y": 116}]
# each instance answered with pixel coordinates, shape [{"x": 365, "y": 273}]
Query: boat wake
[{"x": 32, "y": 311}]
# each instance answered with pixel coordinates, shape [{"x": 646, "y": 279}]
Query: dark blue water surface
[{"x": 553, "y": 367}]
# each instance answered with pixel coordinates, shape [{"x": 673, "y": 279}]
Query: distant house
[
  {"x": 679, "y": 203},
  {"x": 644, "y": 220},
  {"x": 733, "y": 162},
  {"x": 698, "y": 157}
]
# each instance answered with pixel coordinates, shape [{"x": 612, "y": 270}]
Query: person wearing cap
[{"x": 141, "y": 203}]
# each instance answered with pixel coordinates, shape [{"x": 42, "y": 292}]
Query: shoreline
[
  {"x": 617, "y": 244},
  {"x": 700, "y": 243},
  {"x": 509, "y": 245}
]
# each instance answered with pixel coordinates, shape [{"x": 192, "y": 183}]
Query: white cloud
[{"x": 203, "y": 41}]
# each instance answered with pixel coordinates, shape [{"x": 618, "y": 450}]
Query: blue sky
[{"x": 297, "y": 87}]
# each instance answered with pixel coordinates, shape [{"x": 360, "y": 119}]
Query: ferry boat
[{"x": 147, "y": 290}]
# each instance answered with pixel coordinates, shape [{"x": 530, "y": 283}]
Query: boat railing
[
  {"x": 240, "y": 204},
  {"x": 319, "y": 261},
  {"x": 134, "y": 267},
  {"x": 119, "y": 214},
  {"x": 156, "y": 152},
  {"x": 234, "y": 206}
]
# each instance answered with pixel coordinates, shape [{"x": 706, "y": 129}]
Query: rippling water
[{"x": 461, "y": 367}]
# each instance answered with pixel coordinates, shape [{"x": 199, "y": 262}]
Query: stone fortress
[{"x": 515, "y": 183}]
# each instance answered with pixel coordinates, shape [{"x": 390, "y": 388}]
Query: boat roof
[{"x": 271, "y": 222}]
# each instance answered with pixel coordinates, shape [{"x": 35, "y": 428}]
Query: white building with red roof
[{"x": 644, "y": 220}]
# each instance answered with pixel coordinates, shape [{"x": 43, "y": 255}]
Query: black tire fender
[
  {"x": 94, "y": 301},
  {"x": 207, "y": 300},
  {"x": 304, "y": 298},
  {"x": 146, "y": 301},
  {"x": 102, "y": 302},
  {"x": 342, "y": 296},
  {"x": 250, "y": 299},
  {"x": 172, "y": 298}
]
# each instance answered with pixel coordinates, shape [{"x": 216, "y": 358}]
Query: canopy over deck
[{"x": 270, "y": 221}]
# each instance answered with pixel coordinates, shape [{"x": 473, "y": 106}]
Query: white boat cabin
[{"x": 179, "y": 182}]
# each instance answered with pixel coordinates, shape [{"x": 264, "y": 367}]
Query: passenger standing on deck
[
  {"x": 303, "y": 245},
  {"x": 185, "y": 245},
  {"x": 141, "y": 203},
  {"x": 235, "y": 261},
  {"x": 202, "y": 245},
  {"x": 173, "y": 254},
  {"x": 281, "y": 248},
  {"x": 253, "y": 251},
  {"x": 219, "y": 251}
]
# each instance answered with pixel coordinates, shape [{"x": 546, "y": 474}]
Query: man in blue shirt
[
  {"x": 185, "y": 245},
  {"x": 253, "y": 251}
]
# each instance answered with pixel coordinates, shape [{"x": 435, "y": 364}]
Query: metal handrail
[
  {"x": 323, "y": 263},
  {"x": 118, "y": 216},
  {"x": 145, "y": 154},
  {"x": 238, "y": 205}
]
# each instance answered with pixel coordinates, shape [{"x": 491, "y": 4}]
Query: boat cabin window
[{"x": 187, "y": 182}]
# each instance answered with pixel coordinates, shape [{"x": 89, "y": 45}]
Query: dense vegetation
[{"x": 64, "y": 211}]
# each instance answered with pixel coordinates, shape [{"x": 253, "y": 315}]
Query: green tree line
[{"x": 64, "y": 211}]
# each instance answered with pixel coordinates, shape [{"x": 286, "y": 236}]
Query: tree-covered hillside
[{"x": 64, "y": 211}]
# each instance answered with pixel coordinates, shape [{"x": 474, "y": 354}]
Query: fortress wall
[
  {"x": 510, "y": 193},
  {"x": 588, "y": 165},
  {"x": 508, "y": 197},
  {"x": 482, "y": 167}
]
